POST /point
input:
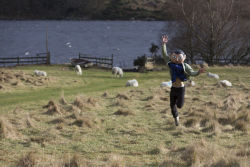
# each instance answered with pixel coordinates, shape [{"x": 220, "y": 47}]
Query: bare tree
[{"x": 209, "y": 29}]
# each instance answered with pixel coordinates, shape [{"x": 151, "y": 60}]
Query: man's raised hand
[{"x": 164, "y": 39}]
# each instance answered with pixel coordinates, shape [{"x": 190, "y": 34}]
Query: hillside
[
  {"x": 94, "y": 120},
  {"x": 78, "y": 9}
]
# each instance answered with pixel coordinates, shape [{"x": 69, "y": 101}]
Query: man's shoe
[{"x": 176, "y": 120}]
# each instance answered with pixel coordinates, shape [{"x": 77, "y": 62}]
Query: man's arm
[
  {"x": 191, "y": 72},
  {"x": 164, "y": 48}
]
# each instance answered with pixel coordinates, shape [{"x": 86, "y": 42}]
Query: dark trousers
[{"x": 176, "y": 99}]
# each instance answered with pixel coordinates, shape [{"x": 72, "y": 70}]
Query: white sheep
[
  {"x": 225, "y": 83},
  {"x": 216, "y": 76},
  {"x": 132, "y": 82},
  {"x": 190, "y": 83},
  {"x": 40, "y": 73},
  {"x": 166, "y": 84},
  {"x": 78, "y": 70},
  {"x": 117, "y": 71}
]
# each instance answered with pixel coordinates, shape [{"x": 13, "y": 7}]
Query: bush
[{"x": 140, "y": 61}]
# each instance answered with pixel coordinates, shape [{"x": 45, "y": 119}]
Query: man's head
[{"x": 178, "y": 56}]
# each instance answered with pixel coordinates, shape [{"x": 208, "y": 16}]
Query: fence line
[
  {"x": 224, "y": 61},
  {"x": 104, "y": 62},
  {"x": 38, "y": 59}
]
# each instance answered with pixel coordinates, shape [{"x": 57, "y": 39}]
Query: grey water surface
[{"x": 125, "y": 39}]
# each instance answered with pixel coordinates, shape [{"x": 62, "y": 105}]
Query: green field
[{"x": 67, "y": 120}]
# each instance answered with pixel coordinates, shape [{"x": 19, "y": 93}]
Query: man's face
[{"x": 177, "y": 58}]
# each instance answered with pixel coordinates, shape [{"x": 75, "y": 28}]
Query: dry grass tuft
[
  {"x": 62, "y": 100},
  {"x": 230, "y": 103},
  {"x": 241, "y": 125},
  {"x": 6, "y": 129},
  {"x": 122, "y": 96},
  {"x": 120, "y": 102},
  {"x": 85, "y": 121},
  {"x": 154, "y": 151},
  {"x": 74, "y": 162},
  {"x": 191, "y": 122},
  {"x": 79, "y": 103},
  {"x": 1, "y": 87},
  {"x": 198, "y": 152},
  {"x": 123, "y": 112},
  {"x": 53, "y": 108},
  {"x": 115, "y": 161},
  {"x": 212, "y": 126},
  {"x": 226, "y": 163},
  {"x": 92, "y": 101},
  {"x": 149, "y": 98},
  {"x": 105, "y": 94},
  {"x": 28, "y": 160},
  {"x": 17, "y": 110},
  {"x": 29, "y": 122},
  {"x": 57, "y": 121}
]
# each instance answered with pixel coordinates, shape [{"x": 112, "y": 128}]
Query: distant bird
[
  {"x": 70, "y": 46},
  {"x": 68, "y": 43}
]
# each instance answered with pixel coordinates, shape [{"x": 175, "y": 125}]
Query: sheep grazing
[
  {"x": 40, "y": 73},
  {"x": 117, "y": 71},
  {"x": 225, "y": 83},
  {"x": 166, "y": 84},
  {"x": 78, "y": 70},
  {"x": 190, "y": 83},
  {"x": 216, "y": 76},
  {"x": 132, "y": 82}
]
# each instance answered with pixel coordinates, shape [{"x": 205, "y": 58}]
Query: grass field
[{"x": 65, "y": 120}]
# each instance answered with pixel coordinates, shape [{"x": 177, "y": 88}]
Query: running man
[{"x": 179, "y": 73}]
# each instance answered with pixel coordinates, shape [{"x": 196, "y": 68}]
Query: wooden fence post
[
  {"x": 48, "y": 58},
  {"x": 112, "y": 61},
  {"x": 18, "y": 60}
]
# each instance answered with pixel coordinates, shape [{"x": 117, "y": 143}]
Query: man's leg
[
  {"x": 173, "y": 100},
  {"x": 180, "y": 97}
]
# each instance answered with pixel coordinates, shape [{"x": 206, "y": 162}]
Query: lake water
[{"x": 125, "y": 39}]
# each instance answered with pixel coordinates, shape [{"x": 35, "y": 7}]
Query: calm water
[{"x": 125, "y": 39}]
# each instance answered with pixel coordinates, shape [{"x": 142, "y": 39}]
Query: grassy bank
[{"x": 94, "y": 120}]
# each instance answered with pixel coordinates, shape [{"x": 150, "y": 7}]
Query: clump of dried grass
[
  {"x": 79, "y": 103},
  {"x": 191, "y": 122},
  {"x": 57, "y": 121},
  {"x": 92, "y": 101},
  {"x": 149, "y": 98},
  {"x": 29, "y": 122},
  {"x": 212, "y": 126},
  {"x": 28, "y": 160},
  {"x": 85, "y": 121},
  {"x": 75, "y": 161},
  {"x": 63, "y": 100},
  {"x": 6, "y": 129},
  {"x": 105, "y": 94},
  {"x": 241, "y": 125},
  {"x": 120, "y": 102},
  {"x": 53, "y": 108},
  {"x": 123, "y": 112},
  {"x": 230, "y": 103},
  {"x": 17, "y": 110},
  {"x": 226, "y": 163},
  {"x": 115, "y": 161},
  {"x": 122, "y": 96}
]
